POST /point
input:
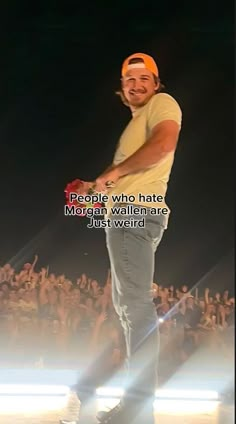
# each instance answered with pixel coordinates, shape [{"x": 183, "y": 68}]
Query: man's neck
[{"x": 135, "y": 109}]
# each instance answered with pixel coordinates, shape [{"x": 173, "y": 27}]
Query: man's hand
[
  {"x": 84, "y": 188},
  {"x": 108, "y": 176}
]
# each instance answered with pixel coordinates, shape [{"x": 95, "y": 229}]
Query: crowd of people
[{"x": 46, "y": 319}]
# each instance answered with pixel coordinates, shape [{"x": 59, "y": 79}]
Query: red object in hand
[{"x": 73, "y": 187}]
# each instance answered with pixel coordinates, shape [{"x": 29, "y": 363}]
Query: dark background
[{"x": 60, "y": 119}]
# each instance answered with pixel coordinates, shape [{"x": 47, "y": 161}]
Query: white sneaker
[{"x": 72, "y": 410}]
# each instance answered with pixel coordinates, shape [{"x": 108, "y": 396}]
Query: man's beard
[{"x": 139, "y": 101}]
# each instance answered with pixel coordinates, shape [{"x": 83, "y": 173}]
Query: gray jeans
[{"x": 132, "y": 258}]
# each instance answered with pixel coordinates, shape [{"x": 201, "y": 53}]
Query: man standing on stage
[{"x": 141, "y": 167}]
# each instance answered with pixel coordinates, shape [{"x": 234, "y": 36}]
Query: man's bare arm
[
  {"x": 109, "y": 168},
  {"x": 162, "y": 141}
]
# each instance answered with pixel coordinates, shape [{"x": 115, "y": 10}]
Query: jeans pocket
[{"x": 155, "y": 227}]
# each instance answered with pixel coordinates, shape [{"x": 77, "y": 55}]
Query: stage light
[
  {"x": 113, "y": 392},
  {"x": 185, "y": 407},
  {"x": 116, "y": 392},
  {"x": 33, "y": 389},
  {"x": 26, "y": 404},
  {"x": 187, "y": 394}
]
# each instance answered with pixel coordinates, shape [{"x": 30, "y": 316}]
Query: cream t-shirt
[{"x": 152, "y": 180}]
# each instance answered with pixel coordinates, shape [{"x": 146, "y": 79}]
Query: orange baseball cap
[{"x": 147, "y": 63}]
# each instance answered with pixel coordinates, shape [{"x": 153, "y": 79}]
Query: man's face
[
  {"x": 189, "y": 302},
  {"x": 226, "y": 294},
  {"x": 94, "y": 284},
  {"x": 210, "y": 309},
  {"x": 227, "y": 310},
  {"x": 184, "y": 288},
  {"x": 138, "y": 86},
  {"x": 7, "y": 267},
  {"x": 52, "y": 278}
]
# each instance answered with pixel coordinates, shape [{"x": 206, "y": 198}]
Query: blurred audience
[{"x": 47, "y": 318}]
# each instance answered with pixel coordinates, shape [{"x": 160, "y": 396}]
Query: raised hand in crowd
[{"x": 56, "y": 299}]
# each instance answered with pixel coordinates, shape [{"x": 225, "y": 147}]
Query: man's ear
[{"x": 157, "y": 86}]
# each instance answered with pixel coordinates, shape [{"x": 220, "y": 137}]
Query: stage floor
[
  {"x": 204, "y": 372},
  {"x": 223, "y": 415}
]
